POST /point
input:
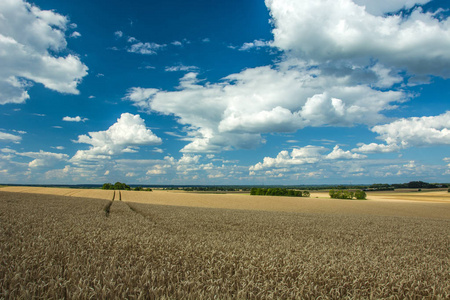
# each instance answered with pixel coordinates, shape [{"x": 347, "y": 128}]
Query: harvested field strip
[
  {"x": 60, "y": 247},
  {"x": 292, "y": 204}
]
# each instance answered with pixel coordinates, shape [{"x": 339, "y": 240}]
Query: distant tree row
[
  {"x": 342, "y": 194},
  {"x": 213, "y": 188},
  {"x": 123, "y": 186},
  {"x": 116, "y": 186},
  {"x": 140, "y": 188},
  {"x": 278, "y": 192}
]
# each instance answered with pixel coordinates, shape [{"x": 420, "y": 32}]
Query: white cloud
[
  {"x": 145, "y": 48},
  {"x": 411, "y": 132},
  {"x": 75, "y": 119},
  {"x": 338, "y": 153},
  {"x": 181, "y": 68},
  {"x": 417, "y": 131},
  {"x": 235, "y": 112},
  {"x": 325, "y": 30},
  {"x": 157, "y": 171},
  {"x": 30, "y": 38},
  {"x": 376, "y": 148},
  {"x": 189, "y": 159},
  {"x": 10, "y": 137},
  {"x": 75, "y": 34},
  {"x": 306, "y": 160},
  {"x": 125, "y": 135},
  {"x": 43, "y": 158},
  {"x": 298, "y": 156},
  {"x": 118, "y": 34},
  {"x": 255, "y": 44}
]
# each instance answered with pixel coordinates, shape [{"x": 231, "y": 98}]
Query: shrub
[
  {"x": 341, "y": 194},
  {"x": 360, "y": 195},
  {"x": 305, "y": 194}
]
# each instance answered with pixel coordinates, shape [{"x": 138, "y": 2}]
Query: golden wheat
[{"x": 59, "y": 247}]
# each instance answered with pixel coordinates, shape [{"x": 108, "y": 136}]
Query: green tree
[
  {"x": 360, "y": 195},
  {"x": 107, "y": 186}
]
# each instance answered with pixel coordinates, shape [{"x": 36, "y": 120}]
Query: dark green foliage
[
  {"x": 211, "y": 188},
  {"x": 416, "y": 185},
  {"x": 278, "y": 192},
  {"x": 116, "y": 186},
  {"x": 360, "y": 195},
  {"x": 107, "y": 186},
  {"x": 138, "y": 188},
  {"x": 343, "y": 194}
]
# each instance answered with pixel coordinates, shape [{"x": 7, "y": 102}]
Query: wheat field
[{"x": 54, "y": 246}]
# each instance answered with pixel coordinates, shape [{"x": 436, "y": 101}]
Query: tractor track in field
[
  {"x": 137, "y": 211},
  {"x": 110, "y": 203}
]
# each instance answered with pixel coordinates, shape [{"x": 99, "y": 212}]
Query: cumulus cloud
[
  {"x": 44, "y": 159},
  {"x": 338, "y": 153},
  {"x": 344, "y": 63},
  {"x": 10, "y": 137},
  {"x": 376, "y": 148},
  {"x": 303, "y": 156},
  {"x": 360, "y": 32},
  {"x": 144, "y": 48},
  {"x": 298, "y": 156},
  {"x": 30, "y": 39},
  {"x": 233, "y": 113},
  {"x": 40, "y": 159},
  {"x": 75, "y": 119},
  {"x": 410, "y": 132},
  {"x": 139, "y": 47},
  {"x": 124, "y": 136}
]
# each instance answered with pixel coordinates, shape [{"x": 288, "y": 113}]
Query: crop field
[
  {"x": 84, "y": 193},
  {"x": 67, "y": 246}
]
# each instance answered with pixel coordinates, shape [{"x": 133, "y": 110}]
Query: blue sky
[{"x": 224, "y": 92}]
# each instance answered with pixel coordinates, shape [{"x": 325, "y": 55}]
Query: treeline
[
  {"x": 409, "y": 185},
  {"x": 278, "y": 192},
  {"x": 344, "y": 194},
  {"x": 123, "y": 186},
  {"x": 210, "y": 188}
]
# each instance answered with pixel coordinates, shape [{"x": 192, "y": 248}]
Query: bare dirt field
[{"x": 54, "y": 246}]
